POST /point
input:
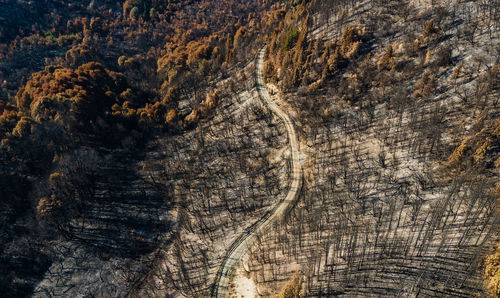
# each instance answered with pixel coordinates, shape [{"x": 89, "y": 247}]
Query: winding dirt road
[{"x": 245, "y": 241}]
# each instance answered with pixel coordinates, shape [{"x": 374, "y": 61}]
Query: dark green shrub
[{"x": 292, "y": 35}]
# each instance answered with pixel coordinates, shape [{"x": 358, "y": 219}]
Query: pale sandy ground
[{"x": 244, "y": 286}]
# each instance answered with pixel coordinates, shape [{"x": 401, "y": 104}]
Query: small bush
[
  {"x": 292, "y": 35},
  {"x": 426, "y": 85},
  {"x": 292, "y": 289},
  {"x": 47, "y": 207},
  {"x": 456, "y": 73},
  {"x": 428, "y": 31},
  {"x": 386, "y": 60},
  {"x": 22, "y": 128},
  {"x": 171, "y": 117},
  {"x": 351, "y": 40},
  {"x": 458, "y": 154},
  {"x": 134, "y": 13},
  {"x": 492, "y": 273}
]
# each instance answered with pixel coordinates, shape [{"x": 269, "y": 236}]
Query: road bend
[{"x": 245, "y": 241}]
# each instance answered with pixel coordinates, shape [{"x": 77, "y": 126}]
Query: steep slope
[{"x": 136, "y": 158}]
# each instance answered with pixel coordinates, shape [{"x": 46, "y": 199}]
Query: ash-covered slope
[{"x": 397, "y": 108}]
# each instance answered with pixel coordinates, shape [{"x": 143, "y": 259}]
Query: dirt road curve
[{"x": 240, "y": 247}]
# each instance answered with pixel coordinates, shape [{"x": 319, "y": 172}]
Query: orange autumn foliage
[{"x": 88, "y": 90}]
